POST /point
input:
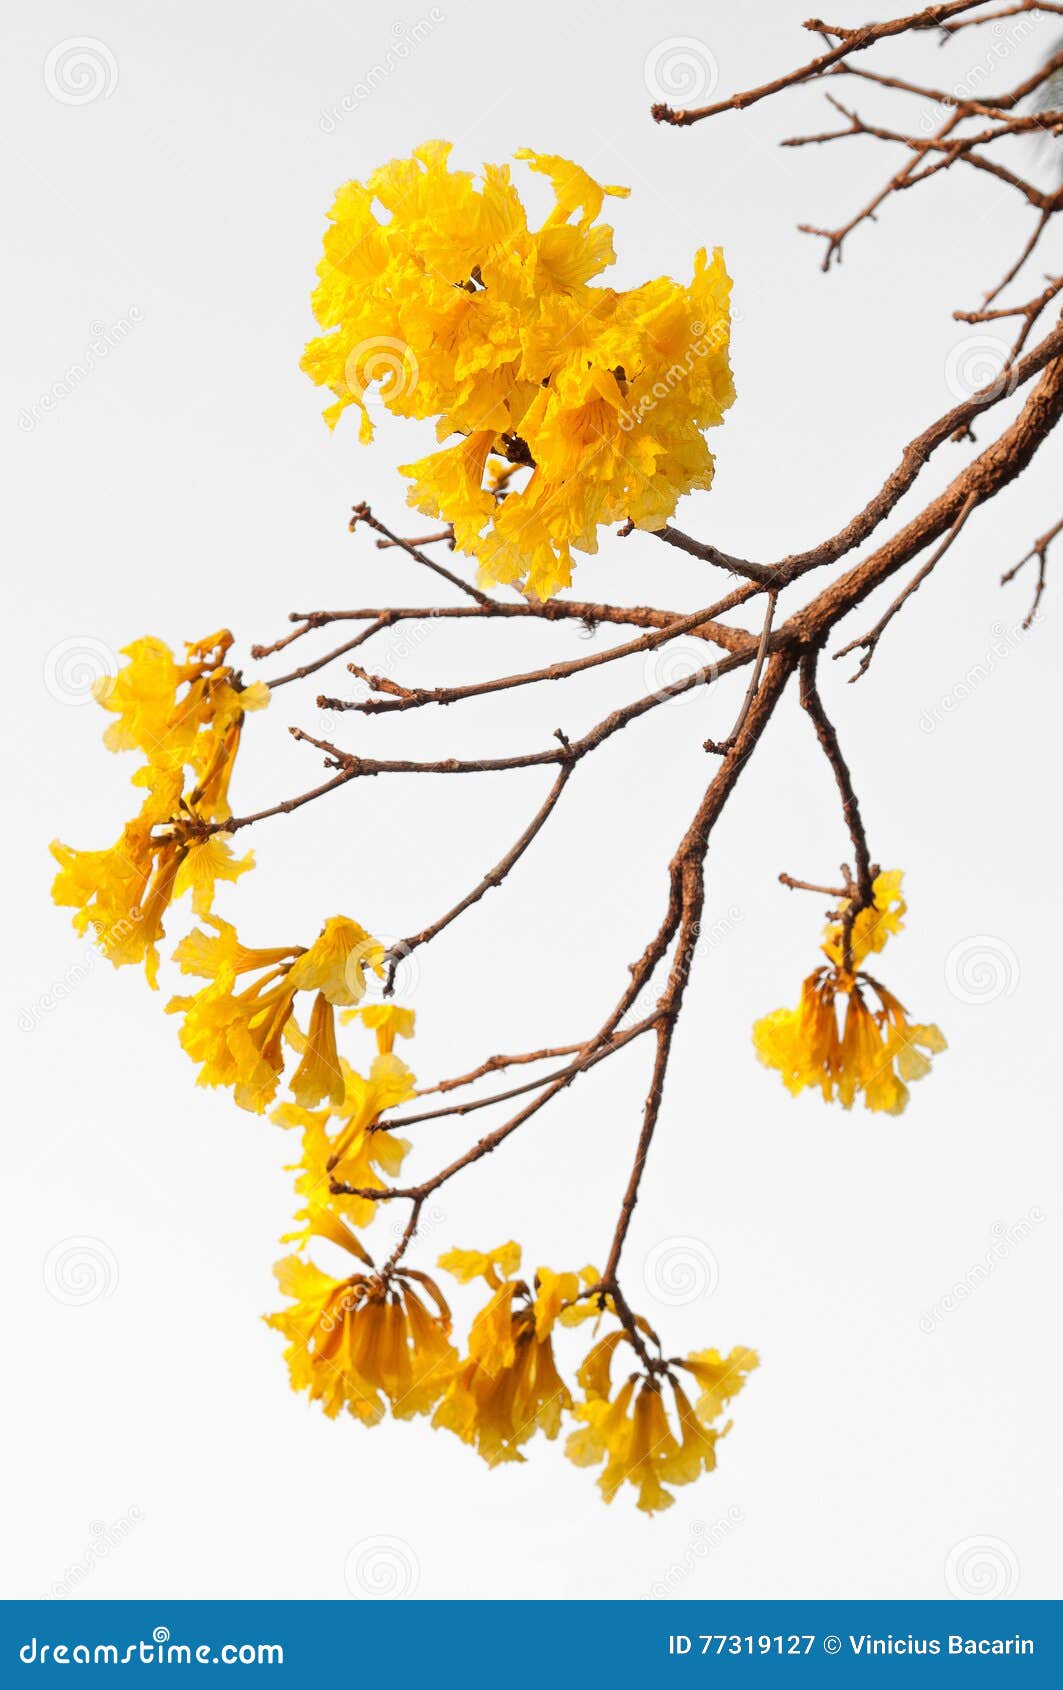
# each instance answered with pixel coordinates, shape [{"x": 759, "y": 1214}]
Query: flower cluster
[
  {"x": 344, "y": 1142},
  {"x": 462, "y": 313},
  {"x": 632, "y": 1432},
  {"x": 835, "y": 1039},
  {"x": 369, "y": 1339},
  {"x": 239, "y": 1037},
  {"x": 365, "y": 1341},
  {"x": 185, "y": 720}
]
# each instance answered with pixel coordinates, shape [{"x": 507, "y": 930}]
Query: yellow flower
[
  {"x": 238, "y": 1037},
  {"x": 220, "y": 956},
  {"x": 318, "y": 1074},
  {"x": 365, "y": 1342},
  {"x": 508, "y": 1387},
  {"x": 142, "y": 697},
  {"x": 340, "y": 1143},
  {"x": 105, "y": 889},
  {"x": 121, "y": 893},
  {"x": 336, "y": 962},
  {"x": 835, "y": 1039},
  {"x": 718, "y": 1377},
  {"x": 203, "y": 865},
  {"x": 872, "y": 1056},
  {"x": 461, "y": 312},
  {"x": 632, "y": 1433},
  {"x": 873, "y": 924},
  {"x": 186, "y": 719},
  {"x": 492, "y": 1265},
  {"x": 387, "y": 1020}
]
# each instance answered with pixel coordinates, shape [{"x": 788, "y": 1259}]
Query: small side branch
[
  {"x": 851, "y": 41},
  {"x": 362, "y": 514},
  {"x": 828, "y": 739},
  {"x": 402, "y": 698},
  {"x": 869, "y": 641},
  {"x": 595, "y": 1051},
  {"x": 721, "y": 747},
  {"x": 1028, "y": 312},
  {"x": 1038, "y": 550},
  {"x": 494, "y": 877},
  {"x": 494, "y": 1063}
]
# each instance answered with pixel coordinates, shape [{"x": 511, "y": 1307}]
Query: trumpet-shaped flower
[
  {"x": 238, "y": 1037},
  {"x": 388, "y": 1021},
  {"x": 365, "y": 1342},
  {"x": 342, "y": 1143},
  {"x": 185, "y": 720},
  {"x": 836, "y": 1039},
  {"x": 632, "y": 1432},
  {"x": 508, "y": 1387}
]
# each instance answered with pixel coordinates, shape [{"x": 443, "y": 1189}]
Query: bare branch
[
  {"x": 869, "y": 641},
  {"x": 1038, "y": 550},
  {"x": 494, "y": 877},
  {"x": 851, "y": 41},
  {"x": 362, "y": 514},
  {"x": 828, "y": 739}
]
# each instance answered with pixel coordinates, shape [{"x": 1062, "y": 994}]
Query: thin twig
[
  {"x": 493, "y": 878},
  {"x": 362, "y": 514},
  {"x": 1038, "y": 550},
  {"x": 868, "y": 642}
]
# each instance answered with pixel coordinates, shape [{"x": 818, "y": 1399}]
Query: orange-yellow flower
[
  {"x": 342, "y": 1143},
  {"x": 839, "y": 1037},
  {"x": 365, "y": 1342},
  {"x": 238, "y": 1037},
  {"x": 632, "y": 1432},
  {"x": 186, "y": 720},
  {"x": 508, "y": 1387}
]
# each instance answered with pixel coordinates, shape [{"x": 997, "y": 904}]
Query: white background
[{"x": 185, "y": 480}]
